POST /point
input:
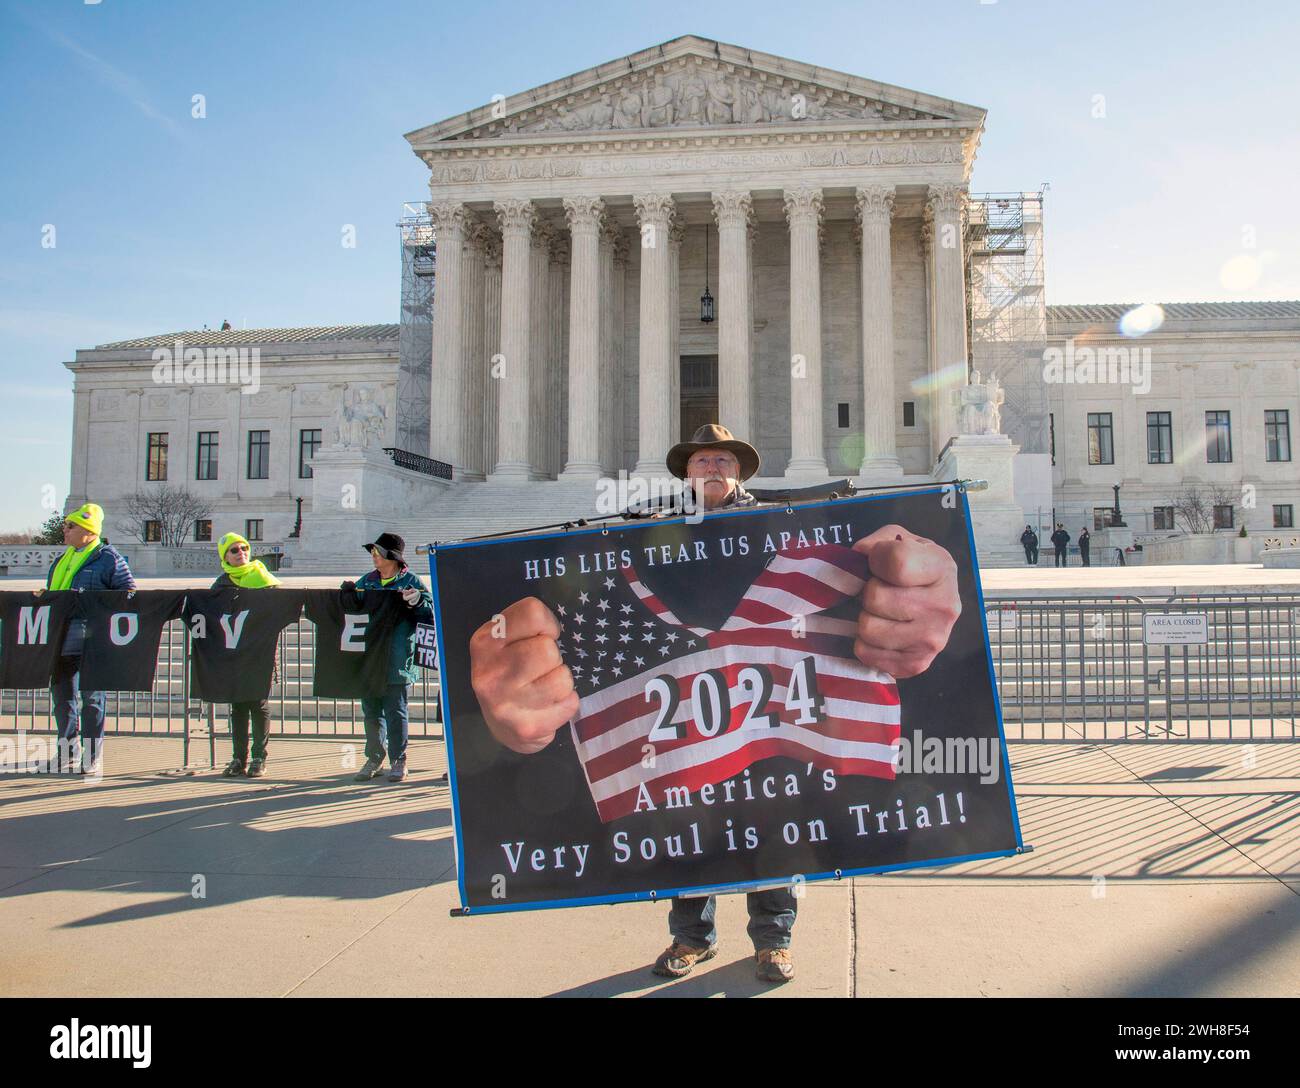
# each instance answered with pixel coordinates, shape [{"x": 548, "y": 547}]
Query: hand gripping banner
[{"x": 747, "y": 698}]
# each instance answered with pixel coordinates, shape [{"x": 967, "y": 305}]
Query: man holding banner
[{"x": 887, "y": 605}]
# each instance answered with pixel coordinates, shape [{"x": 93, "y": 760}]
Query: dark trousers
[
  {"x": 88, "y": 719},
  {"x": 240, "y": 713},
  {"x": 1060, "y": 558},
  {"x": 771, "y": 919},
  {"x": 1084, "y": 553},
  {"x": 1031, "y": 555},
  {"x": 386, "y": 714}
]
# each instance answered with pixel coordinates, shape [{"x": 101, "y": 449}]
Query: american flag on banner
[{"x": 666, "y": 706}]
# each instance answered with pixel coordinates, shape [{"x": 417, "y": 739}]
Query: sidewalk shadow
[
  {"x": 250, "y": 834},
  {"x": 734, "y": 979}
]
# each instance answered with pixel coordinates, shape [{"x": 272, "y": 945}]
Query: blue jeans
[
  {"x": 65, "y": 687},
  {"x": 386, "y": 714},
  {"x": 771, "y": 919}
]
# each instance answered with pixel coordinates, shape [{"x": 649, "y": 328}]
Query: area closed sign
[{"x": 1176, "y": 628}]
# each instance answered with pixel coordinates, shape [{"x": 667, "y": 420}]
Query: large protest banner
[{"x": 727, "y": 734}]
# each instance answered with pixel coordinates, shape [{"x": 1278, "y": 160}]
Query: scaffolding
[
  {"x": 1006, "y": 308},
  {"x": 415, "y": 336}
]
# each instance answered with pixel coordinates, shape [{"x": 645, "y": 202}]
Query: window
[
  {"x": 1101, "y": 516},
  {"x": 843, "y": 414},
  {"x": 152, "y": 532},
  {"x": 1101, "y": 448},
  {"x": 1160, "y": 438},
  {"x": 909, "y": 413},
  {"x": 205, "y": 463},
  {"x": 1223, "y": 516},
  {"x": 1218, "y": 437},
  {"x": 309, "y": 443},
  {"x": 203, "y": 529},
  {"x": 1283, "y": 517},
  {"x": 253, "y": 529},
  {"x": 157, "y": 466},
  {"x": 1277, "y": 435},
  {"x": 1163, "y": 518},
  {"x": 259, "y": 455}
]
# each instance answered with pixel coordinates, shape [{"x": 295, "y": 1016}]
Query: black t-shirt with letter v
[{"x": 233, "y": 634}]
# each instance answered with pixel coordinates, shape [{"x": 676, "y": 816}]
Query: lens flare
[
  {"x": 950, "y": 377},
  {"x": 1142, "y": 319},
  {"x": 1241, "y": 273}
]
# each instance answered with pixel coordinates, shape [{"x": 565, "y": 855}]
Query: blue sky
[{"x": 1183, "y": 191}]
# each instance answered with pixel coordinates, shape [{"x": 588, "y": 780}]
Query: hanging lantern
[{"x": 706, "y": 299}]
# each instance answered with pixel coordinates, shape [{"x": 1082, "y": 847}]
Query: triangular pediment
[{"x": 696, "y": 84}]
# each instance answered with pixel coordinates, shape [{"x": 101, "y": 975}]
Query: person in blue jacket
[
  {"x": 88, "y": 564},
  {"x": 386, "y": 716}
]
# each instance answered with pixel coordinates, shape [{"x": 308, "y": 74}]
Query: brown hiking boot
[
  {"x": 677, "y": 960},
  {"x": 775, "y": 965}
]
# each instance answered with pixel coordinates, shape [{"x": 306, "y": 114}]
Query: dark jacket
[
  {"x": 1060, "y": 538},
  {"x": 106, "y": 569},
  {"x": 1029, "y": 538},
  {"x": 401, "y": 653},
  {"x": 1085, "y": 540}
]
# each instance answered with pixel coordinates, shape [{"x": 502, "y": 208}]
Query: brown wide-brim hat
[{"x": 713, "y": 436}]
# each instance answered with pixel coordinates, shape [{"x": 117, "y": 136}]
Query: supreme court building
[{"x": 579, "y": 226}]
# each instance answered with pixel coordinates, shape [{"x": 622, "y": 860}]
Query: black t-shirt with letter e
[
  {"x": 233, "y": 634},
  {"x": 123, "y": 629},
  {"x": 352, "y": 634},
  {"x": 31, "y": 634}
]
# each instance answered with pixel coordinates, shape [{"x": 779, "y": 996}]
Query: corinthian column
[
  {"x": 676, "y": 235},
  {"x": 475, "y": 370},
  {"x": 948, "y": 310},
  {"x": 517, "y": 218},
  {"x": 655, "y": 216},
  {"x": 539, "y": 353},
  {"x": 803, "y": 210},
  {"x": 447, "y": 378},
  {"x": 585, "y": 386},
  {"x": 880, "y": 458},
  {"x": 734, "y": 212},
  {"x": 491, "y": 344}
]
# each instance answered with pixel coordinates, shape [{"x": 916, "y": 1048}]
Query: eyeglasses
[{"x": 724, "y": 460}]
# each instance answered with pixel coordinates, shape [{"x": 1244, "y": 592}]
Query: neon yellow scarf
[
  {"x": 253, "y": 574},
  {"x": 70, "y": 562}
]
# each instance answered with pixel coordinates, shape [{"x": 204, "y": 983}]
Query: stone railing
[{"x": 147, "y": 560}]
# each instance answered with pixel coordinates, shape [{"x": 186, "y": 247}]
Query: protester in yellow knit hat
[
  {"x": 87, "y": 564},
  {"x": 242, "y": 571}
]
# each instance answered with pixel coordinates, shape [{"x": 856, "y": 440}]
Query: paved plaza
[{"x": 1157, "y": 870}]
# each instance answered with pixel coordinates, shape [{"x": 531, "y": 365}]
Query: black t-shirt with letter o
[{"x": 123, "y": 629}]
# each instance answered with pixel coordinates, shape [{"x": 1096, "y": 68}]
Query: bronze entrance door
[{"x": 699, "y": 393}]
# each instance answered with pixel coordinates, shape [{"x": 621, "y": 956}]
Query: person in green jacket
[
  {"x": 240, "y": 569},
  {"x": 386, "y": 716}
]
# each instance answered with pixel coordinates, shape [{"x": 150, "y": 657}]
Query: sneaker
[
  {"x": 234, "y": 769},
  {"x": 397, "y": 772},
  {"x": 678, "y": 960},
  {"x": 775, "y": 965},
  {"x": 368, "y": 771},
  {"x": 257, "y": 768}
]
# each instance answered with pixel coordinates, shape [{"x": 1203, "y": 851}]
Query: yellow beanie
[
  {"x": 223, "y": 545},
  {"x": 90, "y": 517}
]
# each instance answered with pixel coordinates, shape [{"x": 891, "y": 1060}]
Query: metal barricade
[
  {"x": 1076, "y": 669},
  {"x": 169, "y": 710}
]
